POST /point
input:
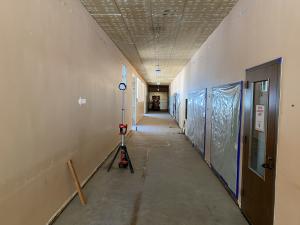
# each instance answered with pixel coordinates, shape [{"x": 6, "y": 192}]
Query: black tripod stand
[
  {"x": 124, "y": 161},
  {"x": 124, "y": 156}
]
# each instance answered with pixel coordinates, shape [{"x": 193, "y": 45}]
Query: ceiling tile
[{"x": 164, "y": 33}]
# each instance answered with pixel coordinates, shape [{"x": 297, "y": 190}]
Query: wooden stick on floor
[{"x": 76, "y": 182}]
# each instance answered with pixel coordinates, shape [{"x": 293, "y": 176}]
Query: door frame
[{"x": 278, "y": 74}]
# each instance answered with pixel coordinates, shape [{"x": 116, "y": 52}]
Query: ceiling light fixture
[{"x": 157, "y": 71}]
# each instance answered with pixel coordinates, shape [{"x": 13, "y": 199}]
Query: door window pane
[{"x": 258, "y": 138}]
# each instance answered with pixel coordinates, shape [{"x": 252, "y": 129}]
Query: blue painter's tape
[
  {"x": 239, "y": 144},
  {"x": 205, "y": 124},
  {"x": 279, "y": 60}
]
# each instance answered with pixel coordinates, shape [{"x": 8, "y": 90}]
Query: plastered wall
[
  {"x": 140, "y": 99},
  {"x": 256, "y": 32},
  {"x": 140, "y": 110},
  {"x": 51, "y": 53}
]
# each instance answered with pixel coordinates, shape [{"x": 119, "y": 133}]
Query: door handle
[{"x": 269, "y": 164}]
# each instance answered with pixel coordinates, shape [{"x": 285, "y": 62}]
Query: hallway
[{"x": 171, "y": 185}]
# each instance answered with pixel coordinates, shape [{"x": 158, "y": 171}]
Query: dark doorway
[
  {"x": 156, "y": 103},
  {"x": 158, "y": 98},
  {"x": 260, "y": 128}
]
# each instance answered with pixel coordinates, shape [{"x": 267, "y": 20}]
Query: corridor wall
[
  {"x": 253, "y": 33},
  {"x": 53, "y": 53},
  {"x": 196, "y": 119}
]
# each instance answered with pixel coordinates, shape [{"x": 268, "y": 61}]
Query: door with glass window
[{"x": 260, "y": 139}]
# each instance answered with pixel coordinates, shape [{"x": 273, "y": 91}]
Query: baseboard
[
  {"x": 84, "y": 182},
  {"x": 61, "y": 209}
]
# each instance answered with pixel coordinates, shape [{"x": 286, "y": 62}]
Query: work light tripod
[{"x": 122, "y": 149}]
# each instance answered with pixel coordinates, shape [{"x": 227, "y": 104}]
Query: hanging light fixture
[{"x": 157, "y": 71}]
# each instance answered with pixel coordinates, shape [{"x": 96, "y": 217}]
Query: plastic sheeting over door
[
  {"x": 171, "y": 105},
  {"x": 225, "y": 136},
  {"x": 177, "y": 106},
  {"x": 196, "y": 119},
  {"x": 174, "y": 105}
]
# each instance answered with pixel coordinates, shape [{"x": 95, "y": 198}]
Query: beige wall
[
  {"x": 140, "y": 107},
  {"x": 256, "y": 32},
  {"x": 51, "y": 53},
  {"x": 140, "y": 99}
]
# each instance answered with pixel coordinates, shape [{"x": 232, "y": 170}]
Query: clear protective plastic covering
[
  {"x": 225, "y": 133},
  {"x": 171, "y": 103},
  {"x": 177, "y": 106},
  {"x": 196, "y": 119}
]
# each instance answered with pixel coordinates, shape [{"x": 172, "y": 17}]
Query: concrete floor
[{"x": 171, "y": 185}]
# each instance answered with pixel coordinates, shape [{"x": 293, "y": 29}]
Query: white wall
[
  {"x": 256, "y": 32},
  {"x": 51, "y": 53}
]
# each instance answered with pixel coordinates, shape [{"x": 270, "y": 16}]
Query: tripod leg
[
  {"x": 112, "y": 161},
  {"x": 129, "y": 161}
]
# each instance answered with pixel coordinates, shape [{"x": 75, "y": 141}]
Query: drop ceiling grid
[{"x": 167, "y": 32}]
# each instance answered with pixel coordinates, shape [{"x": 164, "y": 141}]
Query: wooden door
[{"x": 260, "y": 130}]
